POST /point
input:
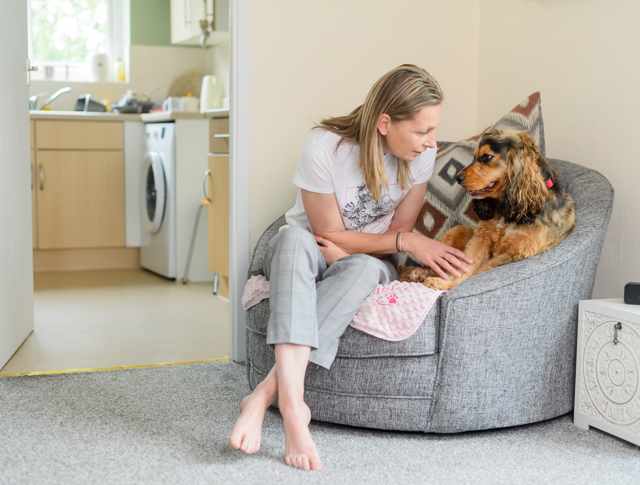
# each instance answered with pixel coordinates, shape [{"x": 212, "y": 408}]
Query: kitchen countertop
[
  {"x": 148, "y": 117},
  {"x": 217, "y": 113},
  {"x": 80, "y": 115},
  {"x": 170, "y": 116}
]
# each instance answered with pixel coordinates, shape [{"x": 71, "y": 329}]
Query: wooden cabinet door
[
  {"x": 80, "y": 199},
  {"x": 218, "y": 212}
]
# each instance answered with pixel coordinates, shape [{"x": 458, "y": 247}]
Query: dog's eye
[{"x": 486, "y": 158}]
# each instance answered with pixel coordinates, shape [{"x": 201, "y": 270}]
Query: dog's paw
[{"x": 437, "y": 283}]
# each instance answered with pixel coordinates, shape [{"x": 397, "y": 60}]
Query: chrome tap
[
  {"x": 33, "y": 100},
  {"x": 54, "y": 96}
]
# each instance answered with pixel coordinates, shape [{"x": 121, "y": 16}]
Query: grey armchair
[{"x": 498, "y": 350}]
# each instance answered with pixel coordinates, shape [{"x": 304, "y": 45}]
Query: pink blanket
[{"x": 392, "y": 312}]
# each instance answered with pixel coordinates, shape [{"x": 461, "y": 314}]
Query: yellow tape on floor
[{"x": 69, "y": 371}]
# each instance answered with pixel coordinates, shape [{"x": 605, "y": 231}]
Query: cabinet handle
[
  {"x": 207, "y": 174},
  {"x": 226, "y": 135},
  {"x": 616, "y": 327},
  {"x": 41, "y": 175}
]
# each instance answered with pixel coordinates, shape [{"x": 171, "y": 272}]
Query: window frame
[{"x": 118, "y": 42}]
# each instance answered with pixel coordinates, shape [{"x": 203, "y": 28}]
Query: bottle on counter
[{"x": 120, "y": 74}]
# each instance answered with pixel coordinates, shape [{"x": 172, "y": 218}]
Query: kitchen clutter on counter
[
  {"x": 181, "y": 104},
  {"x": 135, "y": 102},
  {"x": 190, "y": 93}
]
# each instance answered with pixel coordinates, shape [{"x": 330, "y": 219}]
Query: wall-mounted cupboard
[{"x": 186, "y": 17}]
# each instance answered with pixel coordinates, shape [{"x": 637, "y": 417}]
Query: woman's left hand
[{"x": 330, "y": 251}]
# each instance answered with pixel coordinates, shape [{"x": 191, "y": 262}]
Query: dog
[{"x": 517, "y": 196}]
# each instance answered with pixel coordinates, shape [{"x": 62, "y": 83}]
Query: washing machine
[{"x": 158, "y": 200}]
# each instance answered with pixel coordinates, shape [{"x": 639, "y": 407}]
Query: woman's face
[{"x": 409, "y": 138}]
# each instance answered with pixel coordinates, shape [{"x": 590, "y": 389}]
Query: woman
[{"x": 362, "y": 179}]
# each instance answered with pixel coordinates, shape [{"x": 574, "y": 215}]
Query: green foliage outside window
[{"x": 67, "y": 30}]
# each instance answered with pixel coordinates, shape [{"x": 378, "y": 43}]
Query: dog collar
[{"x": 549, "y": 182}]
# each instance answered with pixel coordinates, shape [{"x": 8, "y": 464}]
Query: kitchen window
[{"x": 66, "y": 35}]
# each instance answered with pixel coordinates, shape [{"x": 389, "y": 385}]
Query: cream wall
[
  {"x": 584, "y": 57},
  {"x": 316, "y": 59}
]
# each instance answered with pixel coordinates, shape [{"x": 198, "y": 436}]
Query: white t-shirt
[{"x": 325, "y": 170}]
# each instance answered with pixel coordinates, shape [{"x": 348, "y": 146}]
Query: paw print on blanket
[{"x": 388, "y": 299}]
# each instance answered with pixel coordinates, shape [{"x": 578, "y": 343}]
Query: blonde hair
[{"x": 401, "y": 93}]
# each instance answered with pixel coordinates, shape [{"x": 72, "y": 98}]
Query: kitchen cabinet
[
  {"x": 79, "y": 184},
  {"x": 218, "y": 210},
  {"x": 80, "y": 199},
  {"x": 186, "y": 16}
]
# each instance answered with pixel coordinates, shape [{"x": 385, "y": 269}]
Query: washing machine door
[{"x": 154, "y": 192}]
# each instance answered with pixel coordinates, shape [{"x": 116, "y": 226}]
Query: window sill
[{"x": 77, "y": 81}]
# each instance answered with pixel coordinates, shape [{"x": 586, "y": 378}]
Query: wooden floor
[{"x": 112, "y": 318}]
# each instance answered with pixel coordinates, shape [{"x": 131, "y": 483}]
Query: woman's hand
[
  {"x": 436, "y": 255},
  {"x": 330, "y": 251}
]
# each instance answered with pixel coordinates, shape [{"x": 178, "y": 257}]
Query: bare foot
[
  {"x": 247, "y": 432},
  {"x": 300, "y": 450}
]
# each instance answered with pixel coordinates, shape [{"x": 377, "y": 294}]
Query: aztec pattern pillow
[{"x": 446, "y": 205}]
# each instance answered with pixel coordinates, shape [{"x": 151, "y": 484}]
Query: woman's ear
[{"x": 383, "y": 124}]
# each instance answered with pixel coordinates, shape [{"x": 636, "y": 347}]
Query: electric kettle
[{"x": 211, "y": 93}]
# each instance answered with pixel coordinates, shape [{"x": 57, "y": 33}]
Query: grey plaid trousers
[{"x": 312, "y": 304}]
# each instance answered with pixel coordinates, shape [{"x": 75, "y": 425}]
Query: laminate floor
[{"x": 112, "y": 318}]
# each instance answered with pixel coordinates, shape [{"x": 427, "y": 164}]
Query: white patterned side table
[{"x": 608, "y": 367}]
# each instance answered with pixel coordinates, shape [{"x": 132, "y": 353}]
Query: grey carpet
[{"x": 171, "y": 425}]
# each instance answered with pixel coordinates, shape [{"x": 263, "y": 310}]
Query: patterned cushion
[{"x": 445, "y": 204}]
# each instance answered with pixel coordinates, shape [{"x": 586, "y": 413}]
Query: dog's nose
[{"x": 459, "y": 178}]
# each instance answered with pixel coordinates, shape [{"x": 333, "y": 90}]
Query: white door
[{"x": 16, "y": 257}]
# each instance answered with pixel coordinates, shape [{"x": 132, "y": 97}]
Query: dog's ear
[
  {"x": 485, "y": 209},
  {"x": 525, "y": 191}
]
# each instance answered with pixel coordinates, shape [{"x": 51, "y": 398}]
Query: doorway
[{"x": 97, "y": 291}]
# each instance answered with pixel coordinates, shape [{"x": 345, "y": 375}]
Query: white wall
[
  {"x": 317, "y": 59},
  {"x": 584, "y": 57}
]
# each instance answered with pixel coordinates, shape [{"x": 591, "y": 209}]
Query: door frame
[{"x": 239, "y": 172}]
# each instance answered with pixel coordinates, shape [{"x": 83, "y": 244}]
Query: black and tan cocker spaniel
[{"x": 517, "y": 195}]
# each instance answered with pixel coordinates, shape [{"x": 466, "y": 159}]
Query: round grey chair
[{"x": 497, "y": 350}]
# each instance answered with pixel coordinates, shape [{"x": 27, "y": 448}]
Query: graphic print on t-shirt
[{"x": 364, "y": 210}]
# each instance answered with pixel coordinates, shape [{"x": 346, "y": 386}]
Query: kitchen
[{"x": 123, "y": 62}]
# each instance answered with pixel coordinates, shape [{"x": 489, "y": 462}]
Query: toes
[
  {"x": 244, "y": 444},
  {"x": 301, "y": 462},
  {"x": 235, "y": 442},
  {"x": 250, "y": 445},
  {"x": 254, "y": 447}
]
